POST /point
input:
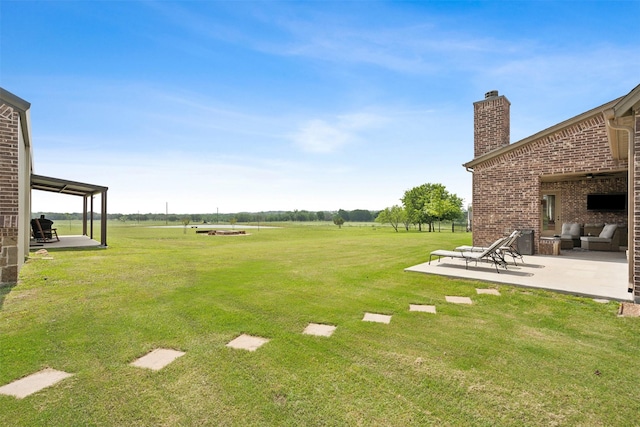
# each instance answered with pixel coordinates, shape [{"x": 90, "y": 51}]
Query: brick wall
[
  {"x": 492, "y": 126},
  {"x": 507, "y": 188},
  {"x": 9, "y": 140},
  {"x": 636, "y": 215},
  {"x": 573, "y": 196}
]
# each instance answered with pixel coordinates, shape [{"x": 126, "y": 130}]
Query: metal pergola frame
[{"x": 86, "y": 191}]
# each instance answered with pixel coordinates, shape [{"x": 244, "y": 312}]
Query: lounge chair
[
  {"x": 508, "y": 247},
  {"x": 490, "y": 254}
]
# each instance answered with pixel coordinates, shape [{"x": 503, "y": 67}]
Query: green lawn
[{"x": 527, "y": 357}]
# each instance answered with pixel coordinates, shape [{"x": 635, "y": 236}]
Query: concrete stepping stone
[
  {"x": 488, "y": 291},
  {"x": 423, "y": 308},
  {"x": 35, "y": 382},
  {"x": 157, "y": 359},
  {"x": 247, "y": 342},
  {"x": 379, "y": 318},
  {"x": 458, "y": 300},
  {"x": 601, "y": 300},
  {"x": 319, "y": 330}
]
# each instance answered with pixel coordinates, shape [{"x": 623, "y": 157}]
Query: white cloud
[{"x": 320, "y": 136}]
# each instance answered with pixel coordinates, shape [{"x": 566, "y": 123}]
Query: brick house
[
  {"x": 15, "y": 197},
  {"x": 17, "y": 181},
  {"x": 542, "y": 181}
]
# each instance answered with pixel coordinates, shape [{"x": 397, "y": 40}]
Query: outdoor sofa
[
  {"x": 607, "y": 240},
  {"x": 593, "y": 237}
]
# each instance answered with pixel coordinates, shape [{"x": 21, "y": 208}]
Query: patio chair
[
  {"x": 490, "y": 254},
  {"x": 43, "y": 235},
  {"x": 570, "y": 235},
  {"x": 509, "y": 247}
]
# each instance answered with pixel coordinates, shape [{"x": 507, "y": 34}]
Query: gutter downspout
[
  {"x": 630, "y": 196},
  {"x": 470, "y": 219}
]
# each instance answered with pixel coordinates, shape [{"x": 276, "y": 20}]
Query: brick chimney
[{"x": 490, "y": 123}]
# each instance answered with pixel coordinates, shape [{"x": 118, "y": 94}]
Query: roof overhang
[
  {"x": 579, "y": 176},
  {"x": 23, "y": 108},
  {"x": 628, "y": 103},
  {"x": 523, "y": 142},
  {"x": 620, "y": 123},
  {"x": 62, "y": 186}
]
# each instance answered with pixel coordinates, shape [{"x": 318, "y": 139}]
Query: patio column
[
  {"x": 84, "y": 215},
  {"x": 91, "y": 218},
  {"x": 103, "y": 220}
]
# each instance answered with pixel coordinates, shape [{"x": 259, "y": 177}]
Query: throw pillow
[{"x": 608, "y": 230}]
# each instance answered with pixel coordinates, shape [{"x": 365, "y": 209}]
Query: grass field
[{"x": 527, "y": 357}]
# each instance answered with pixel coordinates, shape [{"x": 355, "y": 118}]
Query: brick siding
[
  {"x": 9, "y": 140},
  {"x": 507, "y": 189},
  {"x": 492, "y": 126},
  {"x": 636, "y": 210}
]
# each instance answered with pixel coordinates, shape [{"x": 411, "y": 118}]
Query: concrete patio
[
  {"x": 588, "y": 273},
  {"x": 66, "y": 242}
]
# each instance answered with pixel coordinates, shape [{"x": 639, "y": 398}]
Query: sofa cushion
[
  {"x": 608, "y": 230},
  {"x": 593, "y": 239},
  {"x": 570, "y": 231}
]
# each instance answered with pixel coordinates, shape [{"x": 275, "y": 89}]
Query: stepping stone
[
  {"x": 488, "y": 291},
  {"x": 157, "y": 359},
  {"x": 33, "y": 383},
  {"x": 379, "y": 318},
  {"x": 319, "y": 330},
  {"x": 601, "y": 300},
  {"x": 247, "y": 342},
  {"x": 423, "y": 308},
  {"x": 459, "y": 300}
]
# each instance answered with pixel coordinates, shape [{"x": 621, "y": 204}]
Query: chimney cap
[{"x": 491, "y": 94}]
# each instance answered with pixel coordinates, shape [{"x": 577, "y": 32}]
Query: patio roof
[
  {"x": 84, "y": 190},
  {"x": 62, "y": 186}
]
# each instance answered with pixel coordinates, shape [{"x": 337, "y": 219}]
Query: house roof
[
  {"x": 627, "y": 103},
  {"x": 13, "y": 100},
  {"x": 553, "y": 129},
  {"x": 62, "y": 186},
  {"x": 22, "y": 107}
]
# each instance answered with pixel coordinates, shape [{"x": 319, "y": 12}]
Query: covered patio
[
  {"x": 88, "y": 193},
  {"x": 587, "y": 273},
  {"x": 67, "y": 242}
]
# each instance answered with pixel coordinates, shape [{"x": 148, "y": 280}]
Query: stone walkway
[
  {"x": 35, "y": 382},
  {"x": 157, "y": 359},
  {"x": 161, "y": 357}
]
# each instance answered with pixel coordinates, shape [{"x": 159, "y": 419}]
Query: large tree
[
  {"x": 427, "y": 203},
  {"x": 443, "y": 205},
  {"x": 414, "y": 204},
  {"x": 393, "y": 215}
]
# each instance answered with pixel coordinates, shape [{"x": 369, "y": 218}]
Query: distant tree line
[{"x": 357, "y": 215}]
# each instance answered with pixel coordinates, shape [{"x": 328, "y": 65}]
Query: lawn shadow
[{"x": 4, "y": 291}]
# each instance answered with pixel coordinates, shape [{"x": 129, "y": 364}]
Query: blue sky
[{"x": 317, "y": 105}]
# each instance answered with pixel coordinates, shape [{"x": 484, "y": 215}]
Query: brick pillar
[
  {"x": 491, "y": 123},
  {"x": 9, "y": 140}
]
